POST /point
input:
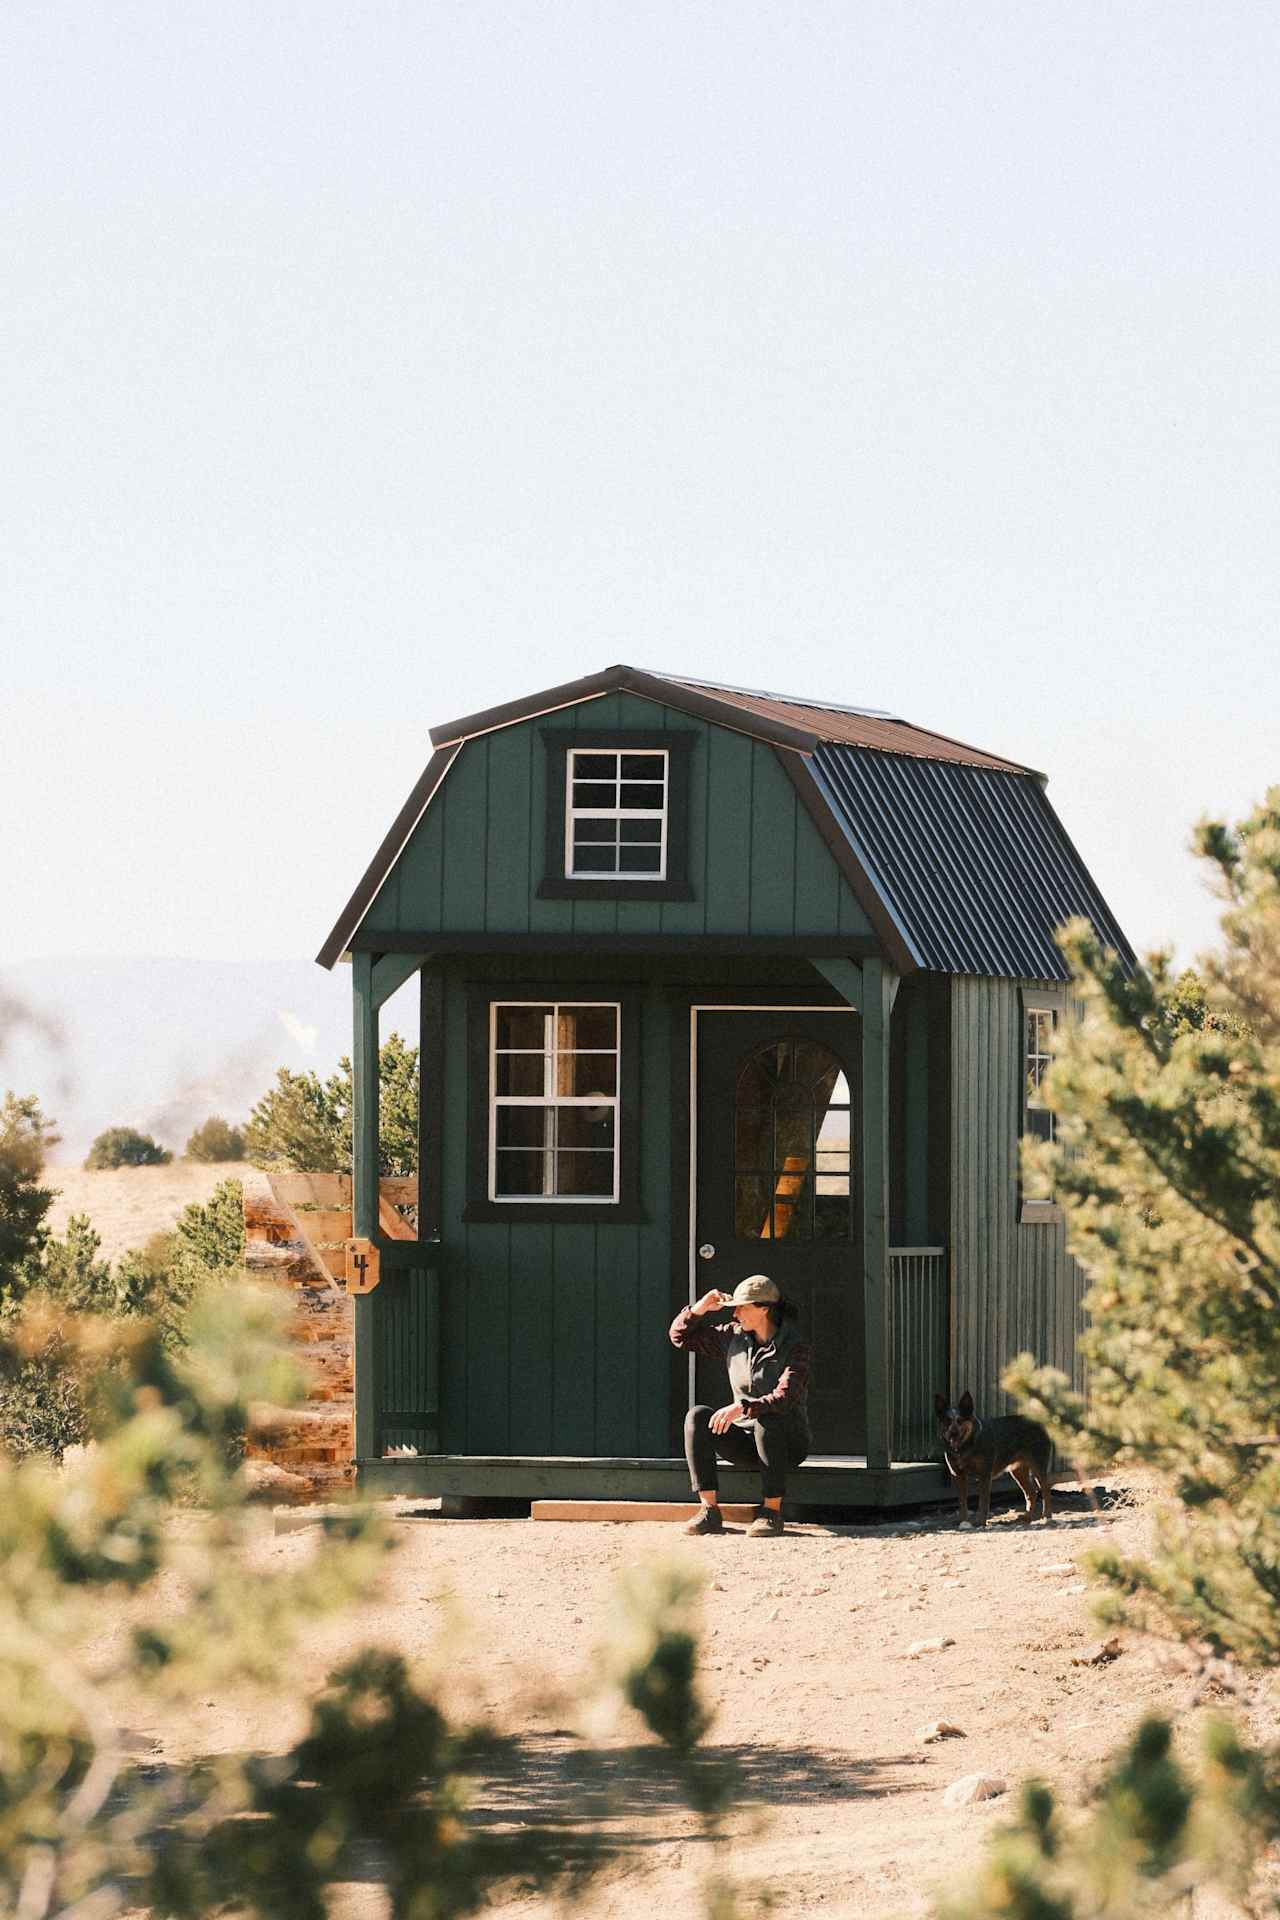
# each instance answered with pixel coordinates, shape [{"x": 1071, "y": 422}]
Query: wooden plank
[
  {"x": 511, "y": 828},
  {"x": 845, "y": 976},
  {"x": 391, "y": 972},
  {"x": 634, "y": 1510},
  {"x": 489, "y": 1384},
  {"x": 573, "y": 1306},
  {"x": 466, "y": 820},
  {"x": 617, "y": 1337},
  {"x": 393, "y": 1224},
  {"x": 532, "y": 1334},
  {"x": 773, "y": 846},
  {"x": 312, "y": 1189},
  {"x": 324, "y": 1226},
  {"x": 877, "y": 990},
  {"x": 364, "y": 1218},
  {"x": 727, "y": 876},
  {"x": 521, "y": 1478}
]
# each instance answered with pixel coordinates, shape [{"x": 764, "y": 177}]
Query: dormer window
[
  {"x": 616, "y": 810},
  {"x": 617, "y": 814}
]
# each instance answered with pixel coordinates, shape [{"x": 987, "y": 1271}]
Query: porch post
[
  {"x": 879, "y": 986},
  {"x": 364, "y": 1195}
]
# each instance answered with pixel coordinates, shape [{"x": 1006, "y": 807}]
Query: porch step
[{"x": 737, "y": 1516}]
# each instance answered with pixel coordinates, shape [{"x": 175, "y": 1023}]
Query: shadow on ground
[{"x": 551, "y": 1781}]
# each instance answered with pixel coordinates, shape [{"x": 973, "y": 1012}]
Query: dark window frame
[
  {"x": 1035, "y": 1210},
  {"x": 626, "y": 1210},
  {"x": 556, "y": 884}
]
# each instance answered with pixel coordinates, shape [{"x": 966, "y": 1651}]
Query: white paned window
[
  {"x": 1039, "y": 1120},
  {"x": 616, "y": 815},
  {"x": 553, "y": 1113}
]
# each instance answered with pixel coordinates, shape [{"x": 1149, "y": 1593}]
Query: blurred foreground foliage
[
  {"x": 1167, "y": 1166},
  {"x": 43, "y": 1406},
  {"x": 157, "y": 1506}
]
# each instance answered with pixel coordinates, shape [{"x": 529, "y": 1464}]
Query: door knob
[{"x": 706, "y": 1251}]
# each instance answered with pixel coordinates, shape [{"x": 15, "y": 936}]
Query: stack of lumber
[{"x": 295, "y": 1228}]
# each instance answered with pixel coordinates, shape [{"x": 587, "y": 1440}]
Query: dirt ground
[
  {"x": 806, "y": 1658},
  {"x": 126, "y": 1205}
]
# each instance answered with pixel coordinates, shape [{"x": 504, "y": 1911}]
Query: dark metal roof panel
[
  {"x": 850, "y": 726},
  {"x": 972, "y": 862}
]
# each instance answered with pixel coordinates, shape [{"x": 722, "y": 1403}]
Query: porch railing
[{"x": 918, "y": 1345}]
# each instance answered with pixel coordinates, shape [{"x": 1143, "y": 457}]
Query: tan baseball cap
[{"x": 757, "y": 1290}]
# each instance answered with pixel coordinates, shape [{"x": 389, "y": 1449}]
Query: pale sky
[{"x": 362, "y": 366}]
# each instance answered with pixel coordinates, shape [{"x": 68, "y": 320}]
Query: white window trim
[
  {"x": 572, "y": 813},
  {"x": 549, "y": 1098},
  {"x": 1035, "y": 1207}
]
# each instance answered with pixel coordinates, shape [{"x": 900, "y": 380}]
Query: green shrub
[
  {"x": 215, "y": 1141},
  {"x": 43, "y": 1395},
  {"x": 1167, "y": 1165},
  {"x": 125, "y": 1147},
  {"x": 303, "y": 1123},
  {"x": 25, "y": 1137}
]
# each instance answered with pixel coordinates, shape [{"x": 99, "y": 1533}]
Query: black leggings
[{"x": 773, "y": 1445}]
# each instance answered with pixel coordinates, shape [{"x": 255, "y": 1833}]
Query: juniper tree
[{"x": 1167, "y": 1164}]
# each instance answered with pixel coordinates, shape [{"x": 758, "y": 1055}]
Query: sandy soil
[
  {"x": 806, "y": 1661},
  {"x": 128, "y": 1204}
]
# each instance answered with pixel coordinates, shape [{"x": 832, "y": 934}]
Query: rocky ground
[{"x": 829, "y": 1655}]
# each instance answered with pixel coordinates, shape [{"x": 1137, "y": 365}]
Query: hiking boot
[
  {"x": 766, "y": 1525},
  {"x": 710, "y": 1520}
]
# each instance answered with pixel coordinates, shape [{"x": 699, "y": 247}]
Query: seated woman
[{"x": 766, "y": 1424}]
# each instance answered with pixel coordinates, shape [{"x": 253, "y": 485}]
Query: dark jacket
[{"x": 767, "y": 1377}]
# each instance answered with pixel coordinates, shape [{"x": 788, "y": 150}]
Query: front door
[{"x": 779, "y": 1191}]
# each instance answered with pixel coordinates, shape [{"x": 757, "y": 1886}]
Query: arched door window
[{"x": 793, "y": 1124}]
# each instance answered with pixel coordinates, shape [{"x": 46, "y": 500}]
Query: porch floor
[{"x": 824, "y": 1480}]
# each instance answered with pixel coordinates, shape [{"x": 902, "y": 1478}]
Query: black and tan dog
[{"x": 981, "y": 1449}]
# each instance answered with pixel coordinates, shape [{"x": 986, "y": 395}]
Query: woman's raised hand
[{"x": 713, "y": 1300}]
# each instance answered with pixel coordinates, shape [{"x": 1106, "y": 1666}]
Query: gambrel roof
[{"x": 956, "y": 854}]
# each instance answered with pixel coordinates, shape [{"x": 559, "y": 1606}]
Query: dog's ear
[
  {"x": 966, "y": 1405},
  {"x": 940, "y": 1403}
]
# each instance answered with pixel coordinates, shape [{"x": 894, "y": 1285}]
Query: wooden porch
[{"x": 827, "y": 1480}]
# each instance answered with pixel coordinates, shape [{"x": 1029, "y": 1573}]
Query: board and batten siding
[
  {"x": 554, "y": 1337},
  {"x": 757, "y": 863},
  {"x": 1015, "y": 1288}
]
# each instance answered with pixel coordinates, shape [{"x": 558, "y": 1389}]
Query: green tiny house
[{"x": 710, "y": 981}]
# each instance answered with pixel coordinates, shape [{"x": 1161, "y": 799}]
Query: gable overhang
[
  {"x": 795, "y": 746},
  {"x": 648, "y": 686}
]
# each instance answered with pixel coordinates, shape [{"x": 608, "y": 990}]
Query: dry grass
[{"x": 127, "y": 1205}]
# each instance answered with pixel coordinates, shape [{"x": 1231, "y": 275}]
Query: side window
[
  {"x": 1039, "y": 1025},
  {"x": 553, "y": 1117},
  {"x": 617, "y": 815}
]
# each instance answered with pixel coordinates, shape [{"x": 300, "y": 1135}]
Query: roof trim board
[
  {"x": 393, "y": 845},
  {"x": 623, "y": 679},
  {"x": 956, "y": 856}
]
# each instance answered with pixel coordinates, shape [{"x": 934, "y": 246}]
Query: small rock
[
  {"x": 940, "y": 1730},
  {"x": 1077, "y": 1586},
  {"x": 815, "y": 1591},
  {"x": 1056, "y": 1566},
  {"x": 972, "y": 1787},
  {"x": 717, "y": 1586},
  {"x": 938, "y": 1645},
  {"x": 1098, "y": 1653},
  {"x": 776, "y": 1613}
]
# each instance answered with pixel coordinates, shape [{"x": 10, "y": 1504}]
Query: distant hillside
[{"x": 161, "y": 1044}]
